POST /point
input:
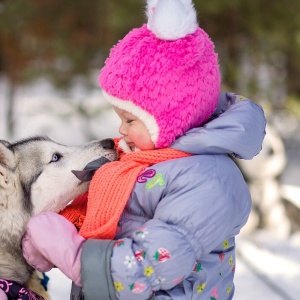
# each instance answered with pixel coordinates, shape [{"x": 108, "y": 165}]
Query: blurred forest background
[{"x": 258, "y": 42}]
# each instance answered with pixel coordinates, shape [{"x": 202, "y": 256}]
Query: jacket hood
[{"x": 237, "y": 127}]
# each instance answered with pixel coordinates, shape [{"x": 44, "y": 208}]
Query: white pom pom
[{"x": 171, "y": 19}]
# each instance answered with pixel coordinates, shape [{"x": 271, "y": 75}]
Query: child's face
[{"x": 134, "y": 131}]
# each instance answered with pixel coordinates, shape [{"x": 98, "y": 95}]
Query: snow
[
  {"x": 268, "y": 267},
  {"x": 274, "y": 262},
  {"x": 59, "y": 286},
  {"x": 41, "y": 110}
]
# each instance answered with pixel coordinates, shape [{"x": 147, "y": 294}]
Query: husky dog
[{"x": 35, "y": 176}]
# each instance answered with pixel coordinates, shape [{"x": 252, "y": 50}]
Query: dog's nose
[{"x": 108, "y": 144}]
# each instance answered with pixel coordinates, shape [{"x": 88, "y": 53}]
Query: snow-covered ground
[{"x": 268, "y": 267}]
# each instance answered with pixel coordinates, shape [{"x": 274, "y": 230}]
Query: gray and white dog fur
[{"x": 35, "y": 176}]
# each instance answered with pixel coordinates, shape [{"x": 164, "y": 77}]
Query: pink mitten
[
  {"x": 51, "y": 240},
  {"x": 2, "y": 295}
]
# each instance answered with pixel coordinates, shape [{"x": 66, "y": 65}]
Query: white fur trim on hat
[
  {"x": 144, "y": 116},
  {"x": 171, "y": 19},
  {"x": 123, "y": 145}
]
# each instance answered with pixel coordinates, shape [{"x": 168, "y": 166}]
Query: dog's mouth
[
  {"x": 111, "y": 155},
  {"x": 89, "y": 170}
]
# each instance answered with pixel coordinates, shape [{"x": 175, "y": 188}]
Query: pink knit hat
[{"x": 166, "y": 72}]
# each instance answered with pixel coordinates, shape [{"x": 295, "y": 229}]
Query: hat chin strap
[{"x": 144, "y": 116}]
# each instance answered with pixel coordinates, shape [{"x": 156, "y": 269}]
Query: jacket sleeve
[
  {"x": 95, "y": 270},
  {"x": 189, "y": 220}
]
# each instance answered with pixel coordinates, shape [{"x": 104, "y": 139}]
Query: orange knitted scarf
[{"x": 97, "y": 212}]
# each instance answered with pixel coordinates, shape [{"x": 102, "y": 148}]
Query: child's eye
[{"x": 129, "y": 121}]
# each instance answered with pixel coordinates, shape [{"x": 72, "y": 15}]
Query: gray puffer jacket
[{"x": 176, "y": 237}]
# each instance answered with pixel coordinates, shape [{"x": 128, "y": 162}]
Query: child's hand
[{"x": 51, "y": 240}]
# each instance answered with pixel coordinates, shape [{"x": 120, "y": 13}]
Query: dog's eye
[{"x": 55, "y": 157}]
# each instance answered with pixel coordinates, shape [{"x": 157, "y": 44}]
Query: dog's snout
[{"x": 108, "y": 144}]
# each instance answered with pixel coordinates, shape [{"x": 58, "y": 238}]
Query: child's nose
[{"x": 122, "y": 129}]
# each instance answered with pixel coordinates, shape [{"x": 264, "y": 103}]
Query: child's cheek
[
  {"x": 146, "y": 145},
  {"x": 142, "y": 141}
]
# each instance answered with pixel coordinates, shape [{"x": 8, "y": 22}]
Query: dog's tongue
[{"x": 89, "y": 170}]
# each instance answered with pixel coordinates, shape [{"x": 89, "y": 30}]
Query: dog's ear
[
  {"x": 5, "y": 143},
  {"x": 6, "y": 157},
  {"x": 4, "y": 180}
]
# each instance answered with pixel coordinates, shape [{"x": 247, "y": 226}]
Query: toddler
[{"x": 159, "y": 223}]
